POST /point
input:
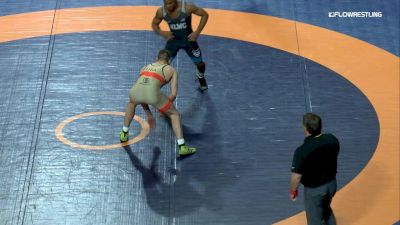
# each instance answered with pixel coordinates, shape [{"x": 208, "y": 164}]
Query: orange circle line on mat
[
  {"x": 370, "y": 198},
  {"x": 60, "y": 136}
]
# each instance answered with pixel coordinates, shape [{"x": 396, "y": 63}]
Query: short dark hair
[
  {"x": 164, "y": 54},
  {"x": 312, "y": 122}
]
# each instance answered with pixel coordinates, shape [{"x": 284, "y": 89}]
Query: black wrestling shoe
[{"x": 203, "y": 83}]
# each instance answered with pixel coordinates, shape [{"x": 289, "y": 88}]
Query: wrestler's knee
[{"x": 201, "y": 66}]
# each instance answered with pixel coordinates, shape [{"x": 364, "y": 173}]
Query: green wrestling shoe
[
  {"x": 186, "y": 150},
  {"x": 123, "y": 136}
]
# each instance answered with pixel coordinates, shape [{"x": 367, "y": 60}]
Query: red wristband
[{"x": 293, "y": 194}]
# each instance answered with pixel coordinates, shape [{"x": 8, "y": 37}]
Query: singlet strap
[
  {"x": 162, "y": 70},
  {"x": 183, "y": 8},
  {"x": 164, "y": 12}
]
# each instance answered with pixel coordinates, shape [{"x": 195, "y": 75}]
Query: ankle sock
[
  {"x": 125, "y": 129},
  {"x": 180, "y": 141}
]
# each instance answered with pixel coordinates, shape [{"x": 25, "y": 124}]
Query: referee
[{"x": 314, "y": 165}]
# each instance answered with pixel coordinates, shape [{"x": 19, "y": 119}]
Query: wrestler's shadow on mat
[
  {"x": 159, "y": 192},
  {"x": 200, "y": 179}
]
